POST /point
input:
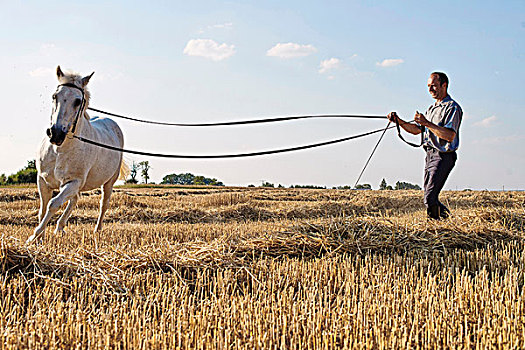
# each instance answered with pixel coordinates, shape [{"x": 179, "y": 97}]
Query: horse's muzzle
[{"x": 56, "y": 135}]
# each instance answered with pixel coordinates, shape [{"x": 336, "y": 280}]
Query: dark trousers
[{"x": 437, "y": 168}]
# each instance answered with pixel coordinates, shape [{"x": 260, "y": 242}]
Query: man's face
[{"x": 436, "y": 90}]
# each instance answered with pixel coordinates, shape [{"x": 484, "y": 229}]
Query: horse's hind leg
[
  {"x": 107, "y": 190},
  {"x": 65, "y": 216},
  {"x": 67, "y": 192}
]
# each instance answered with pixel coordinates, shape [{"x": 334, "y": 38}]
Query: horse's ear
[
  {"x": 60, "y": 74},
  {"x": 85, "y": 80}
]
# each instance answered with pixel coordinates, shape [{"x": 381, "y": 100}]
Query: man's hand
[
  {"x": 441, "y": 132},
  {"x": 411, "y": 128},
  {"x": 393, "y": 117},
  {"x": 421, "y": 120}
]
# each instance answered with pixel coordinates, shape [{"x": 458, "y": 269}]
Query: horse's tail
[{"x": 124, "y": 170}]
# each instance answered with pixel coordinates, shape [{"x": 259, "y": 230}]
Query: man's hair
[{"x": 442, "y": 77}]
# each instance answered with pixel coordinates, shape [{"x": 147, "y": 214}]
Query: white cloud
[
  {"x": 390, "y": 62},
  {"x": 209, "y": 49},
  {"x": 222, "y": 25},
  {"x": 41, "y": 72},
  {"x": 291, "y": 50},
  {"x": 329, "y": 64},
  {"x": 487, "y": 122},
  {"x": 47, "y": 46}
]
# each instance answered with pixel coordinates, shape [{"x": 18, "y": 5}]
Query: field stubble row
[{"x": 266, "y": 268}]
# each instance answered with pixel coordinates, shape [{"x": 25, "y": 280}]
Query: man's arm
[
  {"x": 410, "y": 128},
  {"x": 440, "y": 131}
]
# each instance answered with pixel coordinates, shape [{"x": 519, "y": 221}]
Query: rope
[
  {"x": 239, "y": 155},
  {"x": 373, "y": 151},
  {"x": 260, "y": 121},
  {"x": 241, "y": 122},
  {"x": 407, "y": 142}
]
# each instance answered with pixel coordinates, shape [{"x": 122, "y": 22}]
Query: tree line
[
  {"x": 400, "y": 185},
  {"x": 29, "y": 174},
  {"x": 190, "y": 179},
  {"x": 144, "y": 167}
]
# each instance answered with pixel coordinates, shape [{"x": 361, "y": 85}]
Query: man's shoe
[
  {"x": 444, "y": 213},
  {"x": 433, "y": 212}
]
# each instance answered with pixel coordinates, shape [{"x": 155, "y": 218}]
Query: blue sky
[{"x": 215, "y": 61}]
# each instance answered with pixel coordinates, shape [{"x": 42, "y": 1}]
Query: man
[{"x": 440, "y": 140}]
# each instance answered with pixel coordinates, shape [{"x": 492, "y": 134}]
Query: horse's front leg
[
  {"x": 45, "y": 193},
  {"x": 67, "y": 192}
]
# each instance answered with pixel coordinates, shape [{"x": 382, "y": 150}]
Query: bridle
[{"x": 82, "y": 104}]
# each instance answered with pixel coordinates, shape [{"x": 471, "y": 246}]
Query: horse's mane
[{"x": 76, "y": 79}]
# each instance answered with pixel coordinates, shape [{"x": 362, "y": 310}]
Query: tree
[
  {"x": 406, "y": 186},
  {"x": 267, "y": 184},
  {"x": 363, "y": 187},
  {"x": 385, "y": 186},
  {"x": 178, "y": 179},
  {"x": 200, "y": 180},
  {"x": 31, "y": 164},
  {"x": 26, "y": 175},
  {"x": 133, "y": 173},
  {"x": 190, "y": 179},
  {"x": 215, "y": 182},
  {"x": 145, "y": 167},
  {"x": 309, "y": 186}
]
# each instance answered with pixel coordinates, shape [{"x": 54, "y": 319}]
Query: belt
[{"x": 433, "y": 149}]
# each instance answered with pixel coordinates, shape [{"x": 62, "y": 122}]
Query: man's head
[{"x": 437, "y": 85}]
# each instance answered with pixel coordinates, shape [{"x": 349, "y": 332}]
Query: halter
[{"x": 82, "y": 104}]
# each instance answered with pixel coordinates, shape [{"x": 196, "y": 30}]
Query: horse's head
[{"x": 69, "y": 103}]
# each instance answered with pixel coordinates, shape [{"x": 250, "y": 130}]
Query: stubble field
[{"x": 265, "y": 268}]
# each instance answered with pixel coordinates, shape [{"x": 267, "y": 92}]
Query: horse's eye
[{"x": 77, "y": 102}]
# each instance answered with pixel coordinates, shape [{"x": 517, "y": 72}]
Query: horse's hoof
[
  {"x": 59, "y": 231},
  {"x": 33, "y": 238}
]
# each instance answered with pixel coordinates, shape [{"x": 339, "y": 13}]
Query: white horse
[{"x": 71, "y": 165}]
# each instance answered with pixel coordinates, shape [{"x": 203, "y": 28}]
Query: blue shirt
[{"x": 448, "y": 114}]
